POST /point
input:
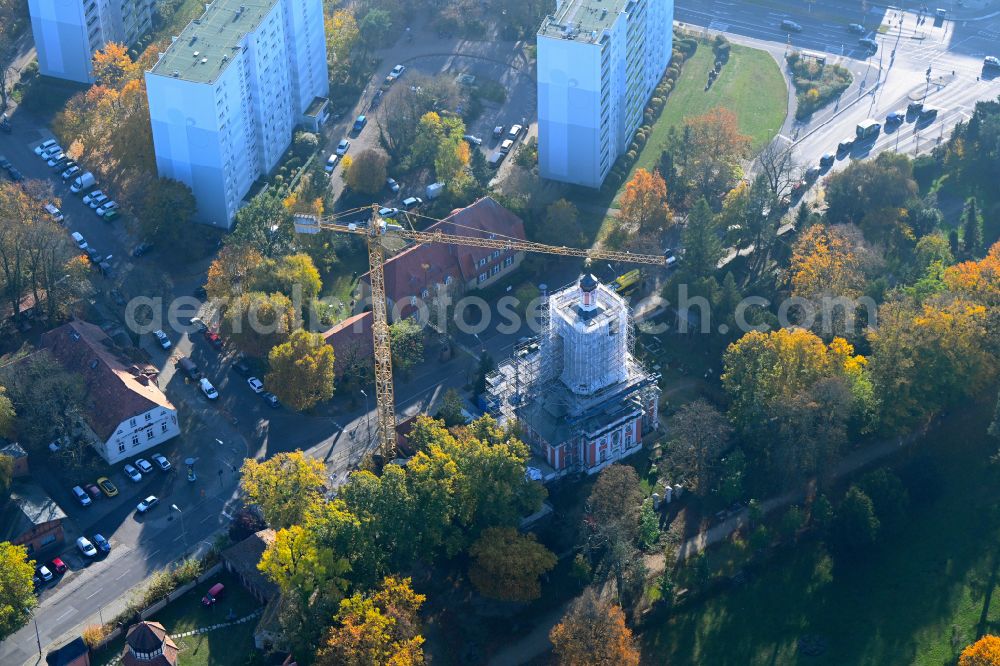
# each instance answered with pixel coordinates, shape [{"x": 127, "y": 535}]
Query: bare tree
[{"x": 776, "y": 164}]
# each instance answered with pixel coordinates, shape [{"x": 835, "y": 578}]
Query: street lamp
[
  {"x": 183, "y": 528},
  {"x": 368, "y": 426}
]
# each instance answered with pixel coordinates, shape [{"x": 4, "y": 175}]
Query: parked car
[
  {"x": 242, "y": 367},
  {"x": 856, "y": 28},
  {"x": 359, "y": 123},
  {"x": 496, "y": 158},
  {"x": 270, "y": 399},
  {"x": 87, "y": 548},
  {"x": 15, "y": 175},
  {"x": 914, "y": 108},
  {"x": 895, "y": 117},
  {"x": 162, "y": 338},
  {"x": 868, "y": 44},
  {"x": 62, "y": 163},
  {"x": 392, "y": 184},
  {"x": 376, "y": 98},
  {"x": 213, "y": 594},
  {"x": 79, "y": 240},
  {"x": 92, "y": 196},
  {"x": 498, "y": 131},
  {"x": 198, "y": 324},
  {"x": 144, "y": 465},
  {"x": 82, "y": 182},
  {"x": 106, "y": 207},
  {"x": 81, "y": 496},
  {"x": 44, "y": 145},
  {"x": 108, "y": 488},
  {"x": 58, "y": 158},
  {"x": 991, "y": 62},
  {"x": 790, "y": 26},
  {"x": 506, "y": 146},
  {"x": 343, "y": 147},
  {"x": 132, "y": 473},
  {"x": 845, "y": 145},
  {"x": 331, "y": 163},
  {"x": 161, "y": 461},
  {"x": 395, "y": 73},
  {"x": 387, "y": 212},
  {"x": 51, "y": 151},
  {"x": 474, "y": 140},
  {"x": 93, "y": 255},
  {"x": 255, "y": 385},
  {"x": 112, "y": 215},
  {"x": 214, "y": 339},
  {"x": 141, "y": 249},
  {"x": 92, "y": 490},
  {"x": 412, "y": 202},
  {"x": 147, "y": 504},
  {"x": 515, "y": 132},
  {"x": 207, "y": 388},
  {"x": 58, "y": 566},
  {"x": 189, "y": 368},
  {"x": 54, "y": 212},
  {"x": 70, "y": 172},
  {"x": 927, "y": 113},
  {"x": 43, "y": 573},
  {"x": 102, "y": 544}
]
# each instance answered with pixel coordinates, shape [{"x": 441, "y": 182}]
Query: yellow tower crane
[{"x": 374, "y": 231}]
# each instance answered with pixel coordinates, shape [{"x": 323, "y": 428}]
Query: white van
[
  {"x": 78, "y": 239},
  {"x": 54, "y": 212}
]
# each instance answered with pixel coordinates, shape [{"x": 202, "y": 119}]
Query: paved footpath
[{"x": 536, "y": 643}]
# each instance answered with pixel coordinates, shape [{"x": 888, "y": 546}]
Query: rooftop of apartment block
[
  {"x": 582, "y": 20},
  {"x": 207, "y": 44}
]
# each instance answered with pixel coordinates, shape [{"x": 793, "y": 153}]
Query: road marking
[
  {"x": 65, "y": 615},
  {"x": 93, "y": 593},
  {"x": 123, "y": 574}
]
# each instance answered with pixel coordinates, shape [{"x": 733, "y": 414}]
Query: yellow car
[{"x": 107, "y": 487}]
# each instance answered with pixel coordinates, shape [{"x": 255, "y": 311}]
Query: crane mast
[{"x": 385, "y": 402}]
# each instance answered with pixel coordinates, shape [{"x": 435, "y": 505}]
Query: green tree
[
  {"x": 302, "y": 370},
  {"x": 284, "y": 486},
  {"x": 855, "y": 526},
  {"x": 702, "y": 247},
  {"x": 560, "y": 225},
  {"x": 451, "y": 408},
  {"x": 615, "y": 502},
  {"x": 888, "y": 495},
  {"x": 972, "y": 228},
  {"x": 17, "y": 591},
  {"x": 367, "y": 173},
  {"x": 47, "y": 399},
  {"x": 294, "y": 275},
  {"x": 311, "y": 578},
  {"x": 507, "y": 564},
  {"x": 168, "y": 208},
  {"x": 342, "y": 34},
  {"x": 374, "y": 28},
  {"x": 873, "y": 194},
  {"x": 407, "y": 340},
  {"x": 304, "y": 144},
  {"x": 822, "y": 513},
  {"x": 264, "y": 225},
  {"x": 700, "y": 434},
  {"x": 256, "y": 322},
  {"x": 649, "y": 525},
  {"x": 6, "y": 476},
  {"x": 379, "y": 629},
  {"x": 7, "y": 414}
]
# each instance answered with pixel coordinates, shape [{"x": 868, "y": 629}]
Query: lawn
[
  {"x": 750, "y": 85},
  {"x": 919, "y": 599},
  {"x": 231, "y": 645}
]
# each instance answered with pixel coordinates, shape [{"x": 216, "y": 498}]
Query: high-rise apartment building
[
  {"x": 226, "y": 96},
  {"x": 598, "y": 63},
  {"x": 68, "y": 32}
]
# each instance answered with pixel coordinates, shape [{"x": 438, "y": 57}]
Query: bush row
[{"x": 683, "y": 48}]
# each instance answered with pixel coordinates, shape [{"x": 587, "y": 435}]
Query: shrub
[{"x": 95, "y": 634}]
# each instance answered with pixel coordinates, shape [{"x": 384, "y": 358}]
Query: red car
[
  {"x": 58, "y": 566},
  {"x": 94, "y": 491},
  {"x": 214, "y": 339}
]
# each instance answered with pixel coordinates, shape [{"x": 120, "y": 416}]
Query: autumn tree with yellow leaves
[
  {"x": 377, "y": 629},
  {"x": 644, "y": 202},
  {"x": 984, "y": 652},
  {"x": 283, "y": 486}
]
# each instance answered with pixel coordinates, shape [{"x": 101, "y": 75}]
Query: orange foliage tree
[
  {"x": 382, "y": 629},
  {"x": 984, "y": 652},
  {"x": 644, "y": 202},
  {"x": 713, "y": 151},
  {"x": 593, "y": 633}
]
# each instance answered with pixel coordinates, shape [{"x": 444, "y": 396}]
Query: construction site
[{"x": 581, "y": 398}]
